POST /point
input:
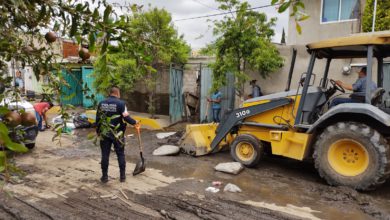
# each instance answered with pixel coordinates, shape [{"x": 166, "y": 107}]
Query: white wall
[{"x": 30, "y": 81}]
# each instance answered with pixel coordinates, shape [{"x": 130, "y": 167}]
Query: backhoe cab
[{"x": 348, "y": 142}]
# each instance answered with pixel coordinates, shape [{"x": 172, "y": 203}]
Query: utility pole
[{"x": 374, "y": 16}]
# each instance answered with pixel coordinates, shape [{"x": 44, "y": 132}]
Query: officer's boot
[
  {"x": 104, "y": 178},
  {"x": 122, "y": 175}
]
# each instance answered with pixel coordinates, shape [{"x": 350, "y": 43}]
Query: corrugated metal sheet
[
  {"x": 30, "y": 81},
  {"x": 88, "y": 80},
  {"x": 206, "y": 76},
  {"x": 228, "y": 93},
  {"x": 72, "y": 94},
  {"x": 176, "y": 106}
]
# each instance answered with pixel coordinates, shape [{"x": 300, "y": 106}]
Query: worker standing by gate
[
  {"x": 216, "y": 105},
  {"x": 112, "y": 133},
  {"x": 256, "y": 90}
]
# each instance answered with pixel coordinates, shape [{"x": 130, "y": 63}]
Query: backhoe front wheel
[
  {"x": 247, "y": 150},
  {"x": 352, "y": 154}
]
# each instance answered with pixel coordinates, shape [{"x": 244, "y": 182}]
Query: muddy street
[{"x": 62, "y": 182}]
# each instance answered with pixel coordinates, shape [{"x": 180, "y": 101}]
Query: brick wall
[{"x": 70, "y": 49}]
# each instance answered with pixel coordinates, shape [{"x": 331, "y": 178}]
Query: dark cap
[{"x": 363, "y": 69}]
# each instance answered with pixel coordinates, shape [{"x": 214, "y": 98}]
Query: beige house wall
[{"x": 277, "y": 81}]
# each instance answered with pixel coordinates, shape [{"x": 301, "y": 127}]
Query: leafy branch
[
  {"x": 106, "y": 129},
  {"x": 298, "y": 12}
]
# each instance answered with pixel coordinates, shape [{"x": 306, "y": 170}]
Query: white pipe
[{"x": 374, "y": 16}]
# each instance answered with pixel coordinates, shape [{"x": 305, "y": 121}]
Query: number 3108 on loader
[{"x": 349, "y": 142}]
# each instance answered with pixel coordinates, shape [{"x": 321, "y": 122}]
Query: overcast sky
[{"x": 198, "y": 32}]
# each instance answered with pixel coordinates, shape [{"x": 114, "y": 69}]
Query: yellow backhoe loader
[{"x": 347, "y": 142}]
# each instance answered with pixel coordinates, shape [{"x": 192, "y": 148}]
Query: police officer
[{"x": 115, "y": 109}]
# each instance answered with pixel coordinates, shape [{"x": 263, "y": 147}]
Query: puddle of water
[
  {"x": 280, "y": 182},
  {"x": 262, "y": 188}
]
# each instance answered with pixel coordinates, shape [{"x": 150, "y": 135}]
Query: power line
[
  {"x": 116, "y": 4},
  {"x": 205, "y": 5},
  {"x": 224, "y": 13}
]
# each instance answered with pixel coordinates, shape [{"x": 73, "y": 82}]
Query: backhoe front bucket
[{"x": 197, "y": 139}]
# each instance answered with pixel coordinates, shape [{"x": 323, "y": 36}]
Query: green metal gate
[
  {"x": 176, "y": 105},
  {"x": 228, "y": 93},
  {"x": 88, "y": 81},
  {"x": 72, "y": 93}
]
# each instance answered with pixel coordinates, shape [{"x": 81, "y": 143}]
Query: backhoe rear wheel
[
  {"x": 352, "y": 154},
  {"x": 247, "y": 150}
]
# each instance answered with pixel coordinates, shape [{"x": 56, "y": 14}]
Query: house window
[{"x": 339, "y": 10}]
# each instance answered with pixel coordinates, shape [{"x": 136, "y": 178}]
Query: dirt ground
[{"x": 62, "y": 182}]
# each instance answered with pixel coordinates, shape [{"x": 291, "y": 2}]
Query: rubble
[
  {"x": 230, "y": 167},
  {"x": 166, "y": 150},
  {"x": 172, "y": 140},
  {"x": 212, "y": 189},
  {"x": 164, "y": 135},
  {"x": 231, "y": 188},
  {"x": 217, "y": 183},
  {"x": 69, "y": 124}
]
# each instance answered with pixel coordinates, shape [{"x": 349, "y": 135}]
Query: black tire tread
[
  {"x": 257, "y": 145},
  {"x": 377, "y": 140}
]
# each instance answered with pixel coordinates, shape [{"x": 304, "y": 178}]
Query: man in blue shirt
[
  {"x": 358, "y": 88},
  {"x": 116, "y": 110},
  {"x": 216, "y": 105},
  {"x": 256, "y": 90}
]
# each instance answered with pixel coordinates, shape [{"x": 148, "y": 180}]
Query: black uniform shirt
[{"x": 113, "y": 106}]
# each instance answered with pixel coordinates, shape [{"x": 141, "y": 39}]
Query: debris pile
[
  {"x": 228, "y": 188},
  {"x": 170, "y": 138},
  {"x": 75, "y": 121}
]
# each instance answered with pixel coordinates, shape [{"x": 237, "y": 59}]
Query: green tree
[
  {"x": 382, "y": 22},
  {"x": 283, "y": 40},
  {"x": 243, "y": 42},
  {"x": 22, "y": 28},
  {"x": 22, "y": 24},
  {"x": 149, "y": 43}
]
